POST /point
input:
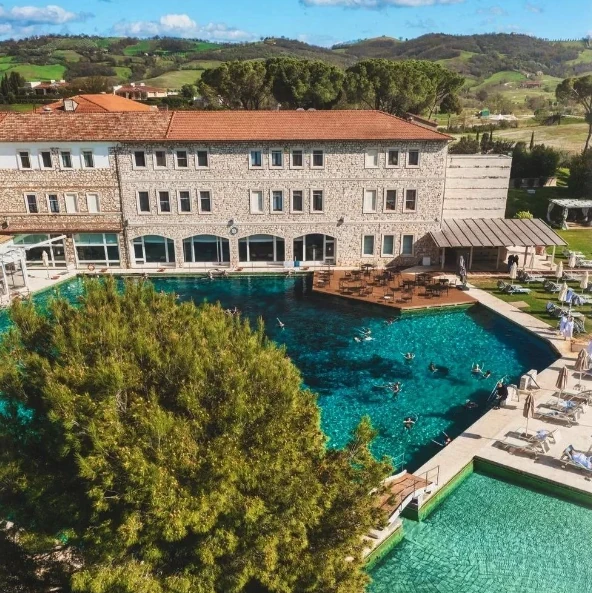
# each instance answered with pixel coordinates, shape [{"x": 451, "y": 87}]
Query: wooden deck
[
  {"x": 399, "y": 292},
  {"x": 397, "y": 491}
]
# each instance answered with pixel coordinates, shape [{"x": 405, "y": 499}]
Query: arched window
[
  {"x": 206, "y": 249},
  {"x": 314, "y": 247},
  {"x": 56, "y": 251},
  {"x": 261, "y": 248},
  {"x": 153, "y": 249}
]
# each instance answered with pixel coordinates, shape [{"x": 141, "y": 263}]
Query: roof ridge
[
  {"x": 413, "y": 123},
  {"x": 166, "y": 134}
]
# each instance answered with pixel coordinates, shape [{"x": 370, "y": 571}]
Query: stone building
[{"x": 237, "y": 188}]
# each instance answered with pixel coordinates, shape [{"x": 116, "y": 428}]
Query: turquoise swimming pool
[
  {"x": 349, "y": 376},
  {"x": 492, "y": 537}
]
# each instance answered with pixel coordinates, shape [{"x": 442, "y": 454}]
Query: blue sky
[{"x": 323, "y": 22}]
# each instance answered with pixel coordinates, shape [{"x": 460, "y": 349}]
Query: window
[
  {"x": 143, "y": 201},
  {"x": 261, "y": 248},
  {"x": 277, "y": 201},
  {"x": 24, "y": 159},
  {"x": 53, "y": 204},
  {"x": 297, "y": 201},
  {"x": 45, "y": 156},
  {"x": 153, "y": 249},
  {"x": 314, "y": 247},
  {"x": 392, "y": 157},
  {"x": 203, "y": 161},
  {"x": 370, "y": 200},
  {"x": 88, "y": 159},
  {"x": 317, "y": 200},
  {"x": 371, "y": 161},
  {"x": 71, "y": 203},
  {"x": 368, "y": 245},
  {"x": 97, "y": 248},
  {"x": 31, "y": 202},
  {"x": 92, "y": 202},
  {"x": 318, "y": 159},
  {"x": 407, "y": 245},
  {"x": 256, "y": 202},
  {"x": 164, "y": 201},
  {"x": 297, "y": 161},
  {"x": 277, "y": 158},
  {"x": 411, "y": 200},
  {"x": 66, "y": 157},
  {"x": 160, "y": 159},
  {"x": 256, "y": 160},
  {"x": 390, "y": 200},
  {"x": 388, "y": 245},
  {"x": 205, "y": 201},
  {"x": 413, "y": 158},
  {"x": 207, "y": 249},
  {"x": 139, "y": 159},
  {"x": 182, "y": 159},
  {"x": 184, "y": 201}
]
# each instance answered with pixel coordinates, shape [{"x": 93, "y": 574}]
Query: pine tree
[{"x": 156, "y": 447}]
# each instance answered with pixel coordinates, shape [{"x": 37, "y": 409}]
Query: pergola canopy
[
  {"x": 495, "y": 232},
  {"x": 571, "y": 203}
]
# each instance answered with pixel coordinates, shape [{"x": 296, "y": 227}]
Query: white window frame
[
  {"x": 162, "y": 191},
  {"x": 139, "y": 167},
  {"x": 197, "y": 165},
  {"x": 386, "y": 190},
  {"x": 366, "y": 210},
  {"x": 297, "y": 149},
  {"x": 261, "y": 152},
  {"x": 322, "y": 151},
  {"x": 373, "y": 254},
  {"x": 409, "y": 166},
  {"x": 154, "y": 163},
  {"x": 40, "y": 157},
  {"x": 405, "y": 209},
  {"x": 383, "y": 253},
  {"x": 184, "y": 212},
  {"x": 271, "y": 210},
  {"x": 256, "y": 191},
  {"x": 76, "y": 204},
  {"x": 140, "y": 211},
  {"x": 92, "y": 156},
  {"x": 93, "y": 193},
  {"x": 312, "y": 210},
  {"x": 30, "y": 193},
  {"x": 176, "y": 157},
  {"x": 386, "y": 156},
  {"x": 292, "y": 211},
  {"x": 62, "y": 153},
  {"x": 271, "y": 165},
  {"x": 199, "y": 208},
  {"x": 19, "y": 161},
  {"x": 49, "y": 210},
  {"x": 412, "y": 245},
  {"x": 367, "y": 164}
]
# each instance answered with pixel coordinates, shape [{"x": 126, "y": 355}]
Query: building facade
[{"x": 239, "y": 189}]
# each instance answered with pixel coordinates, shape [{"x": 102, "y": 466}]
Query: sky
[{"x": 322, "y": 22}]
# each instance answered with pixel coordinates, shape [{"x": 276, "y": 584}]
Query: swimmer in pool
[
  {"x": 408, "y": 422},
  {"x": 396, "y": 388},
  {"x": 476, "y": 369},
  {"x": 487, "y": 374},
  {"x": 409, "y": 355},
  {"x": 432, "y": 368},
  {"x": 470, "y": 405}
]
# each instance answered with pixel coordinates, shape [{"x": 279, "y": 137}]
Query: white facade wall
[{"x": 9, "y": 153}]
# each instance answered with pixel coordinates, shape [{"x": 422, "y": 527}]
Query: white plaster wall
[{"x": 9, "y": 150}]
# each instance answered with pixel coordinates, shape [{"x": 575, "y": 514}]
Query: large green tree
[
  {"x": 578, "y": 90},
  {"x": 238, "y": 84},
  {"x": 154, "y": 447},
  {"x": 580, "y": 175},
  {"x": 304, "y": 83}
]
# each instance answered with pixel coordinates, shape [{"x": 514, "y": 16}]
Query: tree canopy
[
  {"x": 578, "y": 90},
  {"x": 156, "y": 447}
]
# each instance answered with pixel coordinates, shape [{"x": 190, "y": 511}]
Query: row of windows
[
  {"x": 202, "y": 203},
  {"x": 65, "y": 159},
  {"x": 387, "y": 246},
  {"x": 183, "y": 159},
  {"x": 71, "y": 203}
]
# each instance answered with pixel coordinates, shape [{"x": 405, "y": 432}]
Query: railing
[{"x": 420, "y": 482}]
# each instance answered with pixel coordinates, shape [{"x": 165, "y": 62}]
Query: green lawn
[
  {"x": 537, "y": 300},
  {"x": 500, "y": 78},
  {"x": 175, "y": 79},
  {"x": 123, "y": 72},
  {"x": 35, "y": 72},
  {"x": 67, "y": 54},
  {"x": 537, "y": 203},
  {"x": 20, "y": 107},
  {"x": 144, "y": 46},
  {"x": 578, "y": 240},
  {"x": 569, "y": 137}
]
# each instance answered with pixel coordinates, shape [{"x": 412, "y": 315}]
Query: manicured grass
[
  {"x": 537, "y": 203},
  {"x": 537, "y": 300},
  {"x": 175, "y": 79},
  {"x": 578, "y": 240},
  {"x": 571, "y": 137}
]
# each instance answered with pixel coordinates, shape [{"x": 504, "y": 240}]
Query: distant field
[
  {"x": 571, "y": 137},
  {"x": 175, "y": 79},
  {"x": 141, "y": 47},
  {"x": 34, "y": 72},
  {"x": 123, "y": 72},
  {"x": 584, "y": 58},
  {"x": 67, "y": 54},
  {"x": 200, "y": 64},
  {"x": 500, "y": 78}
]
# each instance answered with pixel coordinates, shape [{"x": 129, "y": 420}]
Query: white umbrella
[
  {"x": 45, "y": 261},
  {"x": 572, "y": 260},
  {"x": 531, "y": 265},
  {"x": 513, "y": 271},
  {"x": 559, "y": 271},
  {"x": 589, "y": 349},
  {"x": 584, "y": 281},
  {"x": 563, "y": 293}
]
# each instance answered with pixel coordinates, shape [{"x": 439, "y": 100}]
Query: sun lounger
[
  {"x": 515, "y": 444},
  {"x": 569, "y": 417},
  {"x": 550, "y": 286},
  {"x": 580, "y": 397},
  {"x": 572, "y": 458},
  {"x": 584, "y": 263},
  {"x": 512, "y": 288},
  {"x": 564, "y": 405}
]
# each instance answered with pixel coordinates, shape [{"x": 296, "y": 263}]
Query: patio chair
[
  {"x": 551, "y": 286},
  {"x": 573, "y": 458},
  {"x": 531, "y": 278},
  {"x": 569, "y": 417},
  {"x": 515, "y": 444},
  {"x": 584, "y": 263},
  {"x": 512, "y": 288}
]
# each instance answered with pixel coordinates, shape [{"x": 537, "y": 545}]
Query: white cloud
[
  {"x": 492, "y": 10},
  {"x": 181, "y": 25},
  {"x": 40, "y": 15},
  {"x": 377, "y": 3},
  {"x": 423, "y": 24},
  {"x": 535, "y": 8}
]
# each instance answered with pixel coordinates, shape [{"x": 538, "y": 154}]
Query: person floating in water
[
  {"x": 395, "y": 387},
  {"x": 445, "y": 441},
  {"x": 409, "y": 422},
  {"x": 280, "y": 323},
  {"x": 409, "y": 355},
  {"x": 476, "y": 369},
  {"x": 432, "y": 368},
  {"x": 470, "y": 405},
  {"x": 486, "y": 374}
]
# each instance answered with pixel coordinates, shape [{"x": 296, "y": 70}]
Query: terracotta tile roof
[
  {"x": 213, "y": 126},
  {"x": 296, "y": 125},
  {"x": 128, "y": 88},
  {"x": 98, "y": 104}
]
